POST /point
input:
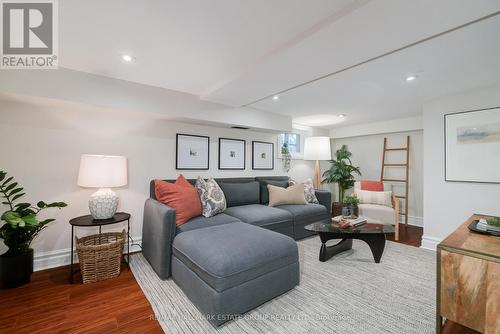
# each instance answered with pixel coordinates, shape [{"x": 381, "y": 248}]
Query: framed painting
[
  {"x": 232, "y": 154},
  {"x": 472, "y": 146},
  {"x": 192, "y": 152},
  {"x": 262, "y": 155}
]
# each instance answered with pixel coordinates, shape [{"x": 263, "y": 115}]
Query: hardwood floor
[
  {"x": 49, "y": 304},
  {"x": 408, "y": 235}
]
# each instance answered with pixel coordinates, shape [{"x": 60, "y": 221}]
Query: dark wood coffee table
[{"x": 373, "y": 233}]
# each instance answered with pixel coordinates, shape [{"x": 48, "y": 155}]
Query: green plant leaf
[
  {"x": 57, "y": 205},
  {"x": 15, "y": 191},
  {"x": 7, "y": 181},
  {"x": 28, "y": 211},
  {"x": 10, "y": 186},
  {"x": 18, "y": 196},
  {"x": 22, "y": 206},
  {"x": 12, "y": 218},
  {"x": 41, "y": 204},
  {"x": 46, "y": 221},
  {"x": 2, "y": 175},
  {"x": 30, "y": 219}
]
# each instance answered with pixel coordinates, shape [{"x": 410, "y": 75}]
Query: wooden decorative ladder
[{"x": 405, "y": 165}]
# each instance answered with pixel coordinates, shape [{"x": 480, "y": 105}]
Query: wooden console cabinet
[{"x": 468, "y": 280}]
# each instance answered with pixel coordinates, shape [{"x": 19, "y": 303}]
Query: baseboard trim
[
  {"x": 430, "y": 243},
  {"x": 62, "y": 257},
  {"x": 413, "y": 220}
]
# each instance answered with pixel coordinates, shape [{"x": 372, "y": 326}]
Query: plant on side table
[
  {"x": 341, "y": 172},
  {"x": 21, "y": 226},
  {"x": 350, "y": 206}
]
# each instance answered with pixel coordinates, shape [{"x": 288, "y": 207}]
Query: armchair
[{"x": 382, "y": 213}]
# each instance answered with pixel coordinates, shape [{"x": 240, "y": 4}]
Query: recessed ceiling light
[
  {"x": 276, "y": 97},
  {"x": 411, "y": 77},
  {"x": 127, "y": 58},
  {"x": 341, "y": 115}
]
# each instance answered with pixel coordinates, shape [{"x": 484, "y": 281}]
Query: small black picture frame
[
  {"x": 240, "y": 153},
  {"x": 262, "y": 155},
  {"x": 198, "y": 156}
]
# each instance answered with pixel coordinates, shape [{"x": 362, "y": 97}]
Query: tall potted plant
[
  {"x": 341, "y": 172},
  {"x": 20, "y": 226}
]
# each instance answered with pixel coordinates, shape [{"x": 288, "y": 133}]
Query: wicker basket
[{"x": 100, "y": 255}]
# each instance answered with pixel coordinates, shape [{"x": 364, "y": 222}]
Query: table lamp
[
  {"x": 317, "y": 148},
  {"x": 103, "y": 172}
]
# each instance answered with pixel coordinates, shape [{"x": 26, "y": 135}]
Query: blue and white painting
[{"x": 478, "y": 134}]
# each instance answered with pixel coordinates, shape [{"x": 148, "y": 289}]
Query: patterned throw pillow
[
  {"x": 309, "y": 191},
  {"x": 212, "y": 197}
]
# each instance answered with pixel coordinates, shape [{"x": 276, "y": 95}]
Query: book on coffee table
[{"x": 353, "y": 222}]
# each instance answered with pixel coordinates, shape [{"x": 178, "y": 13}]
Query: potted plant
[
  {"x": 350, "y": 206},
  {"x": 342, "y": 172},
  {"x": 20, "y": 226},
  {"x": 286, "y": 156},
  {"x": 493, "y": 224}
]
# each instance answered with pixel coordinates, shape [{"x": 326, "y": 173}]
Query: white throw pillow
[
  {"x": 374, "y": 197},
  {"x": 291, "y": 195}
]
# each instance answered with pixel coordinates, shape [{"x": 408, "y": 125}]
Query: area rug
[{"x": 347, "y": 294}]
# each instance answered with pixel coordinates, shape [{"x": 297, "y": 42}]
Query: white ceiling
[
  {"x": 239, "y": 52},
  {"x": 186, "y": 45},
  {"x": 462, "y": 60}
]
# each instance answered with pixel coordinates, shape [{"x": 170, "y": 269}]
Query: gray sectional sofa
[
  {"x": 232, "y": 262},
  {"x": 247, "y": 200}
]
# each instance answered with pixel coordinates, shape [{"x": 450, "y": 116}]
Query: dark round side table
[{"x": 89, "y": 221}]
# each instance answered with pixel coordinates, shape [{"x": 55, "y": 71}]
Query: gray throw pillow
[{"x": 212, "y": 197}]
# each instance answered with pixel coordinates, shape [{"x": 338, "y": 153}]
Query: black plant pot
[{"x": 16, "y": 270}]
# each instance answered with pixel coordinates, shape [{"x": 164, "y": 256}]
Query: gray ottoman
[{"x": 227, "y": 270}]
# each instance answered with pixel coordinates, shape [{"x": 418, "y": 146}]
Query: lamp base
[
  {"x": 103, "y": 204},
  {"x": 317, "y": 176}
]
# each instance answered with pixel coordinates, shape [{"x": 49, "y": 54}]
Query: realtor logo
[{"x": 29, "y": 34}]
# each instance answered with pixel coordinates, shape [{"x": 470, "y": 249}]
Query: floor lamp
[{"x": 317, "y": 148}]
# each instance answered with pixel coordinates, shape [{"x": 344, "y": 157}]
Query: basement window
[{"x": 292, "y": 140}]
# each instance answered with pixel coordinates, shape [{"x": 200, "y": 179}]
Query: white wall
[
  {"x": 376, "y": 128},
  {"x": 449, "y": 204},
  {"x": 42, "y": 144},
  {"x": 367, "y": 154}
]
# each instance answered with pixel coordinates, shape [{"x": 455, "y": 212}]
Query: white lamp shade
[
  {"x": 102, "y": 171},
  {"x": 317, "y": 148}
]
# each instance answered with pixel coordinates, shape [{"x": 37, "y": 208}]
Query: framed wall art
[
  {"x": 232, "y": 153},
  {"x": 472, "y": 146},
  {"x": 262, "y": 155},
  {"x": 192, "y": 152}
]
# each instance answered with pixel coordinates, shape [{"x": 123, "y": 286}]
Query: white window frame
[{"x": 295, "y": 155}]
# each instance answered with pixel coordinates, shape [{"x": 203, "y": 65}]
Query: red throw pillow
[
  {"x": 372, "y": 185},
  {"x": 181, "y": 181},
  {"x": 181, "y": 196}
]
